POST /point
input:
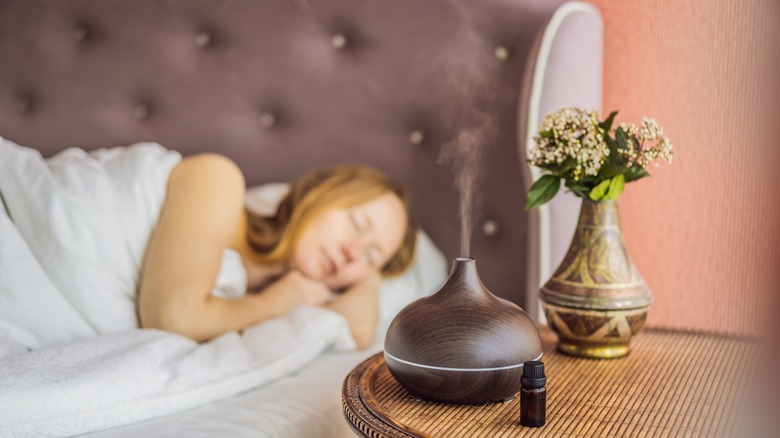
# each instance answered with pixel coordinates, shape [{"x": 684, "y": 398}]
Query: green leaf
[
  {"x": 566, "y": 166},
  {"x": 622, "y": 140},
  {"x": 635, "y": 173},
  {"x": 544, "y": 189},
  {"x": 616, "y": 187},
  {"x": 606, "y": 125},
  {"x": 580, "y": 191},
  {"x": 579, "y": 187},
  {"x": 548, "y": 166},
  {"x": 598, "y": 192},
  {"x": 560, "y": 169},
  {"x": 635, "y": 143},
  {"x": 614, "y": 156},
  {"x": 545, "y": 134},
  {"x": 608, "y": 170}
]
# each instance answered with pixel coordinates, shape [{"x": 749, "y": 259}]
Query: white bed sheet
[{"x": 304, "y": 404}]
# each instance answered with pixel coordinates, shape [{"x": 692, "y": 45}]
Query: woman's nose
[{"x": 352, "y": 250}]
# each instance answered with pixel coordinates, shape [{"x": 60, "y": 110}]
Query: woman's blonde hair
[{"x": 274, "y": 238}]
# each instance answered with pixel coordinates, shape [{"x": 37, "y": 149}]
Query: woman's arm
[
  {"x": 201, "y": 213},
  {"x": 360, "y": 306},
  {"x": 201, "y": 216}
]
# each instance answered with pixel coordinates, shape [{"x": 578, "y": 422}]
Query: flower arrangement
[{"x": 593, "y": 160}]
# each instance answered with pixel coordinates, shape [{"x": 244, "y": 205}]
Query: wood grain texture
[
  {"x": 462, "y": 327},
  {"x": 702, "y": 231},
  {"x": 672, "y": 384}
]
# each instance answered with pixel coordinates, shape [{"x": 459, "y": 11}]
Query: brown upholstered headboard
[{"x": 284, "y": 86}]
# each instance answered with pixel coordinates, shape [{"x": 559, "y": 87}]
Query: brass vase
[{"x": 596, "y": 300}]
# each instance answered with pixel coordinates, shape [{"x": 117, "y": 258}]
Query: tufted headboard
[{"x": 285, "y": 86}]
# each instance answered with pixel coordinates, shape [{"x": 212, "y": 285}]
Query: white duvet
[{"x": 71, "y": 358}]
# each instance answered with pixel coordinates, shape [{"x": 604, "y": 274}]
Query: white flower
[
  {"x": 570, "y": 133},
  {"x": 652, "y": 143}
]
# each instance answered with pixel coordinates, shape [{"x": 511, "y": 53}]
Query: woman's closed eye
[
  {"x": 358, "y": 223},
  {"x": 361, "y": 225},
  {"x": 373, "y": 256}
]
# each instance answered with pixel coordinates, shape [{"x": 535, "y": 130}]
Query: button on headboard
[{"x": 283, "y": 87}]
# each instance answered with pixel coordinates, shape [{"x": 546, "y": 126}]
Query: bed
[{"x": 282, "y": 87}]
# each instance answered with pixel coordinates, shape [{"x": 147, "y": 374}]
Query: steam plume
[{"x": 470, "y": 86}]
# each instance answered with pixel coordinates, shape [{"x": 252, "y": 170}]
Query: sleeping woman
[{"x": 334, "y": 236}]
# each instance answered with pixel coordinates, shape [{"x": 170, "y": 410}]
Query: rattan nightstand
[{"x": 615, "y": 397}]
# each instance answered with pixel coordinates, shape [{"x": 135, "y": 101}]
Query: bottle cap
[{"x": 533, "y": 374}]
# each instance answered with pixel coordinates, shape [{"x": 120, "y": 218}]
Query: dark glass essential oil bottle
[{"x": 533, "y": 395}]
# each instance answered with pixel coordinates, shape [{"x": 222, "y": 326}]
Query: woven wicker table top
[{"x": 671, "y": 384}]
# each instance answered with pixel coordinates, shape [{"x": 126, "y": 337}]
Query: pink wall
[{"x": 701, "y": 230}]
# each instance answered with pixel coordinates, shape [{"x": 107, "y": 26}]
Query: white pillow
[{"x": 426, "y": 274}]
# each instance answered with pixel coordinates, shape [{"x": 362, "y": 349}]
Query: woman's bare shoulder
[
  {"x": 208, "y": 166},
  {"x": 211, "y": 185}
]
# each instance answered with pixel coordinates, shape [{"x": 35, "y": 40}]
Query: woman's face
[{"x": 343, "y": 245}]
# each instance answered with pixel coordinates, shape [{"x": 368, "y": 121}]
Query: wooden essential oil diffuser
[{"x": 462, "y": 344}]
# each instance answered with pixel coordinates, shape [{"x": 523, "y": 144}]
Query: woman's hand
[
  {"x": 370, "y": 283},
  {"x": 294, "y": 290},
  {"x": 360, "y": 306}
]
